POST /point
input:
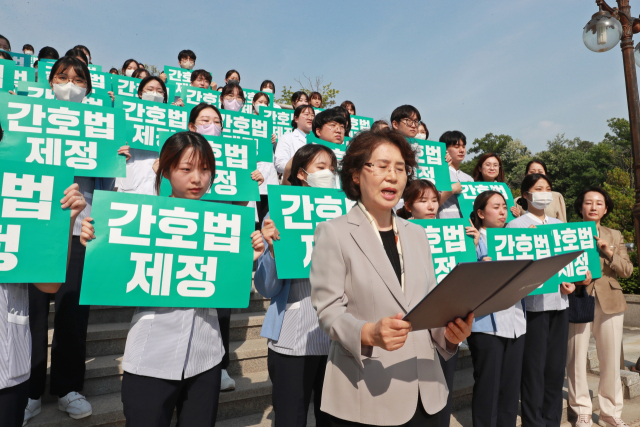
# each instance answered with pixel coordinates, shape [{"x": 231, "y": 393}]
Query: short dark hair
[
  {"x": 481, "y": 204},
  {"x": 146, "y": 80},
  {"x": 540, "y": 162},
  {"x": 174, "y": 147},
  {"x": 48, "y": 52},
  {"x": 296, "y": 114},
  {"x": 405, "y": 112},
  {"x": 477, "y": 173},
  {"x": 359, "y": 152},
  {"x": 297, "y": 95},
  {"x": 184, "y": 54},
  {"x": 379, "y": 125},
  {"x": 230, "y": 73},
  {"x": 139, "y": 71},
  {"x": 79, "y": 67},
  {"x": 127, "y": 63},
  {"x": 260, "y": 95},
  {"x": 5, "y": 55},
  {"x": 204, "y": 73},
  {"x": 195, "y": 112},
  {"x": 113, "y": 70},
  {"x": 29, "y": 47},
  {"x": 451, "y": 137},
  {"x": 412, "y": 192},
  {"x": 316, "y": 95},
  {"x": 608, "y": 201},
  {"x": 77, "y": 53},
  {"x": 347, "y": 117},
  {"x": 83, "y": 48},
  {"x": 229, "y": 88},
  {"x": 8, "y": 42},
  {"x": 347, "y": 104},
  {"x": 304, "y": 156},
  {"x": 267, "y": 83},
  {"x": 326, "y": 116},
  {"x": 528, "y": 182}
]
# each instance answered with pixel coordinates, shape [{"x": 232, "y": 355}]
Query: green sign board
[
  {"x": 94, "y": 67},
  {"x": 248, "y": 96},
  {"x": 43, "y": 90},
  {"x": 24, "y": 74},
  {"x": 125, "y": 86},
  {"x": 470, "y": 191},
  {"x": 338, "y": 149},
  {"x": 280, "y": 119},
  {"x": 360, "y": 123},
  {"x": 450, "y": 244},
  {"x": 101, "y": 81},
  {"x": 22, "y": 59},
  {"x": 34, "y": 230},
  {"x": 192, "y": 96},
  {"x": 169, "y": 252},
  {"x": 249, "y": 126},
  {"x": 7, "y": 75},
  {"x": 177, "y": 78},
  {"x": 296, "y": 211},
  {"x": 431, "y": 163}
]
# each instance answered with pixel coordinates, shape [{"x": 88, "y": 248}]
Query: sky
[{"x": 502, "y": 66}]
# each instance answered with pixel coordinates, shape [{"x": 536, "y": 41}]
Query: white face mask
[
  {"x": 257, "y": 107},
  {"x": 187, "y": 65},
  {"x": 267, "y": 90},
  {"x": 322, "y": 179},
  {"x": 69, "y": 92},
  {"x": 421, "y": 136},
  {"x": 541, "y": 200},
  {"x": 233, "y": 105},
  {"x": 129, "y": 73},
  {"x": 210, "y": 129},
  {"x": 153, "y": 96},
  {"x": 28, "y": 52}
]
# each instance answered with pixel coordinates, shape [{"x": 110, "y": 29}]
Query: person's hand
[
  {"x": 113, "y": 97},
  {"x": 458, "y": 331},
  {"x": 179, "y": 103},
  {"x": 124, "y": 150},
  {"x": 486, "y": 258},
  {"x": 163, "y": 76},
  {"x": 257, "y": 243},
  {"x": 473, "y": 232},
  {"x": 156, "y": 165},
  {"x": 270, "y": 233},
  {"x": 586, "y": 281},
  {"x": 567, "y": 288},
  {"x": 87, "y": 233},
  {"x": 73, "y": 199},
  {"x": 11, "y": 92},
  {"x": 274, "y": 138},
  {"x": 515, "y": 211},
  {"x": 448, "y": 158},
  {"x": 257, "y": 176},
  {"x": 604, "y": 247},
  {"x": 456, "y": 188},
  {"x": 389, "y": 333},
  {"x": 213, "y": 85}
]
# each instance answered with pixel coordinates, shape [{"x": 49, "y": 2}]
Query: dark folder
[{"x": 483, "y": 288}]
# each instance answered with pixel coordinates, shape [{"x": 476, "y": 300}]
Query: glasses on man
[
  {"x": 335, "y": 126},
  {"x": 410, "y": 123},
  {"x": 64, "y": 79},
  {"x": 383, "y": 168}
]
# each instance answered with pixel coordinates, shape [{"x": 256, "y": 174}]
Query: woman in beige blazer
[
  {"x": 593, "y": 204},
  {"x": 368, "y": 269}
]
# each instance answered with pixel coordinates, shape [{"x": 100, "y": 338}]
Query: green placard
[
  {"x": 431, "y": 163},
  {"x": 470, "y": 191},
  {"x": 338, "y": 149},
  {"x": 450, "y": 244},
  {"x": 280, "y": 119},
  {"x": 24, "y": 74},
  {"x": 143, "y": 120},
  {"x": 360, "y": 123},
  {"x": 235, "y": 160},
  {"x": 7, "y": 75},
  {"x": 177, "y": 78},
  {"x": 44, "y": 68},
  {"x": 249, "y": 126},
  {"x": 22, "y": 59},
  {"x": 248, "y": 95},
  {"x": 34, "y": 230},
  {"x": 43, "y": 90},
  {"x": 125, "y": 86},
  {"x": 101, "y": 81},
  {"x": 296, "y": 211},
  {"x": 168, "y": 252},
  {"x": 94, "y": 67},
  {"x": 193, "y": 96}
]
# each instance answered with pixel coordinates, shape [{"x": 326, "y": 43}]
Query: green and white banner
[
  {"x": 168, "y": 252},
  {"x": 34, "y": 230},
  {"x": 43, "y": 90},
  {"x": 24, "y": 74},
  {"x": 22, "y": 59},
  {"x": 235, "y": 160},
  {"x": 94, "y": 67},
  {"x": 470, "y": 191},
  {"x": 101, "y": 81},
  {"x": 7, "y": 75},
  {"x": 192, "y": 96},
  {"x": 125, "y": 86},
  {"x": 296, "y": 211},
  {"x": 450, "y": 244},
  {"x": 360, "y": 123},
  {"x": 249, "y": 126},
  {"x": 177, "y": 78},
  {"x": 248, "y": 95},
  {"x": 338, "y": 149},
  {"x": 280, "y": 119},
  {"x": 431, "y": 163}
]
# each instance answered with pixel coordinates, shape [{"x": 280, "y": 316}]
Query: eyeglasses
[
  {"x": 64, "y": 79},
  {"x": 410, "y": 123},
  {"x": 334, "y": 126},
  {"x": 383, "y": 169},
  {"x": 158, "y": 91}
]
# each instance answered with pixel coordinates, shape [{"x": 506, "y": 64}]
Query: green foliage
[
  {"x": 631, "y": 285},
  {"x": 308, "y": 86},
  {"x": 490, "y": 143},
  {"x": 617, "y": 185},
  {"x": 152, "y": 69}
]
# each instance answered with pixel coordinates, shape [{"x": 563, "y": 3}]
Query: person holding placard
[
  {"x": 497, "y": 340},
  {"x": 268, "y": 86},
  {"x": 299, "y": 98},
  {"x": 456, "y": 144},
  {"x": 488, "y": 169},
  {"x": 28, "y": 49},
  {"x": 378, "y": 373},
  {"x": 129, "y": 66},
  {"x": 187, "y": 59},
  {"x": 298, "y": 348},
  {"x": 232, "y": 97},
  {"x": 330, "y": 125},
  {"x": 291, "y": 142},
  {"x": 405, "y": 119},
  {"x": 556, "y": 208},
  {"x": 267, "y": 169},
  {"x": 232, "y": 76},
  {"x": 140, "y": 177},
  {"x": 594, "y": 204},
  {"x": 545, "y": 351},
  {"x": 349, "y": 106},
  {"x": 423, "y": 132},
  {"x": 141, "y": 74},
  {"x": 172, "y": 358}
]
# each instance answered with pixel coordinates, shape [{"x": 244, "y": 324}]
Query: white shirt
[
  {"x": 287, "y": 146},
  {"x": 15, "y": 335},
  {"x": 268, "y": 171},
  {"x": 450, "y": 208},
  {"x": 140, "y": 179}
]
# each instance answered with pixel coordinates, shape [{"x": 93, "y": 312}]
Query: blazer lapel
[
  {"x": 410, "y": 260},
  {"x": 364, "y": 236}
]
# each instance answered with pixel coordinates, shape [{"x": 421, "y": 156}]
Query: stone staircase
[{"x": 250, "y": 403}]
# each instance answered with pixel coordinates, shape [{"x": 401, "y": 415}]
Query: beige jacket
[
  {"x": 352, "y": 283},
  {"x": 557, "y": 208}
]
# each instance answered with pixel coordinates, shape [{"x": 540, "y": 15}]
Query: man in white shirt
[{"x": 456, "y": 143}]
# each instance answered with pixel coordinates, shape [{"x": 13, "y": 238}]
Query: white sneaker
[
  {"x": 33, "y": 408},
  {"x": 607, "y": 421},
  {"x": 584, "y": 420},
  {"x": 227, "y": 383},
  {"x": 75, "y": 405}
]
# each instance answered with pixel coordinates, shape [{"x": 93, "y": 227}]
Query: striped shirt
[
  {"x": 15, "y": 335},
  {"x": 301, "y": 334},
  {"x": 450, "y": 208},
  {"x": 545, "y": 302},
  {"x": 173, "y": 343}
]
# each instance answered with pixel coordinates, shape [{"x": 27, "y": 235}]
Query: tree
[
  {"x": 152, "y": 69},
  {"x": 620, "y": 153},
  {"x": 512, "y": 162},
  {"x": 622, "y": 194},
  {"x": 490, "y": 143},
  {"x": 309, "y": 85}
]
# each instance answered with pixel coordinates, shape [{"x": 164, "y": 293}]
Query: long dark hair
[
  {"x": 296, "y": 114},
  {"x": 228, "y": 88},
  {"x": 79, "y": 67},
  {"x": 146, "y": 80},
  {"x": 304, "y": 156},
  {"x": 528, "y": 182},
  {"x": 195, "y": 112},
  {"x": 481, "y": 204},
  {"x": 477, "y": 173}
]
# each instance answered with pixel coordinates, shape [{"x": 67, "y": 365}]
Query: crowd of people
[{"x": 338, "y": 335}]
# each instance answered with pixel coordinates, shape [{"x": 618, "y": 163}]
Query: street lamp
[{"x": 602, "y": 33}]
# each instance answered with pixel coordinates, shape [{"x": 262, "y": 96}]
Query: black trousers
[
  {"x": 224, "y": 320},
  {"x": 69, "y": 347},
  {"x": 294, "y": 378},
  {"x": 13, "y": 401},
  {"x": 448, "y": 369},
  {"x": 420, "y": 419},
  {"x": 497, "y": 366},
  {"x": 543, "y": 368},
  {"x": 263, "y": 210},
  {"x": 150, "y": 402}
]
